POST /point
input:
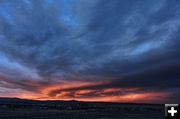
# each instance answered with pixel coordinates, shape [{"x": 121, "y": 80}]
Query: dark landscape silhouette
[{"x": 15, "y": 108}]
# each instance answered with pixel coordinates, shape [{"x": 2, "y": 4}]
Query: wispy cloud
[{"x": 129, "y": 47}]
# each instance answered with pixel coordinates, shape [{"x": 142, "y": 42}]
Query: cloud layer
[{"x": 100, "y": 50}]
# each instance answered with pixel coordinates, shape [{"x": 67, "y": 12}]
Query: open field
[{"x": 82, "y": 110}]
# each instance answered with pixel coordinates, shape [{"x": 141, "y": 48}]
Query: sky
[{"x": 90, "y": 50}]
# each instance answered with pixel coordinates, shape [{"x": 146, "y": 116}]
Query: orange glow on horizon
[{"x": 82, "y": 92}]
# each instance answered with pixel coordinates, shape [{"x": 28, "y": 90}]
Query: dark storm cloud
[
  {"x": 131, "y": 44},
  {"x": 159, "y": 79}
]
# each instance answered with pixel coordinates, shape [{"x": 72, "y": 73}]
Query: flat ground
[{"x": 121, "y": 112}]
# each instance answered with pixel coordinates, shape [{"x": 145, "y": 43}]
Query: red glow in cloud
[{"x": 83, "y": 92}]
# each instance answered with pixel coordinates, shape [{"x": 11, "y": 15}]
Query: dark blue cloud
[{"x": 130, "y": 43}]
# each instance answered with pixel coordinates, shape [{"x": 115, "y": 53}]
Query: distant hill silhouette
[
  {"x": 57, "y": 104},
  {"x": 15, "y": 108},
  {"x": 52, "y": 104}
]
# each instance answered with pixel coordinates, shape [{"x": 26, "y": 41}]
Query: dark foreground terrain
[{"x": 28, "y": 109}]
